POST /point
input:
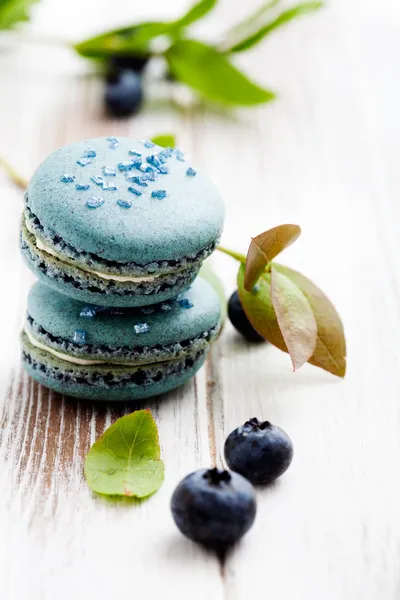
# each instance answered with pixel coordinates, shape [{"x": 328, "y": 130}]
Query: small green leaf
[
  {"x": 166, "y": 140},
  {"x": 285, "y": 17},
  {"x": 295, "y": 318},
  {"x": 203, "y": 68},
  {"x": 198, "y": 11},
  {"x": 208, "y": 273},
  {"x": 128, "y": 41},
  {"x": 264, "y": 247},
  {"x": 125, "y": 460},
  {"x": 330, "y": 350},
  {"x": 14, "y": 11}
]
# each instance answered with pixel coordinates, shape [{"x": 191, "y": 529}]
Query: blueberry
[
  {"x": 261, "y": 452},
  {"x": 124, "y": 94},
  {"x": 213, "y": 507},
  {"x": 128, "y": 63},
  {"x": 240, "y": 321}
]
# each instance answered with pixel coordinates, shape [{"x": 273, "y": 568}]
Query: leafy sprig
[
  {"x": 13, "y": 12},
  {"x": 285, "y": 307},
  {"x": 206, "y": 68}
]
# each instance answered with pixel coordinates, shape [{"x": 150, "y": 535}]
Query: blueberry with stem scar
[
  {"x": 214, "y": 507},
  {"x": 259, "y": 451}
]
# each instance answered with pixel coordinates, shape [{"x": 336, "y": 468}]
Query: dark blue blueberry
[
  {"x": 124, "y": 94},
  {"x": 213, "y": 507},
  {"x": 261, "y": 452},
  {"x": 128, "y": 63},
  {"x": 239, "y": 320}
]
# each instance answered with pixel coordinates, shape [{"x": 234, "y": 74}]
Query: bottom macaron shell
[
  {"x": 108, "y": 382},
  {"x": 87, "y": 287}
]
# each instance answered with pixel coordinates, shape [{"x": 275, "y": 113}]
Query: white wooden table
[{"x": 325, "y": 156}]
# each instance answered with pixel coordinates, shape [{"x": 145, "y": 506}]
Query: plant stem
[
  {"x": 12, "y": 173},
  {"x": 236, "y": 255}
]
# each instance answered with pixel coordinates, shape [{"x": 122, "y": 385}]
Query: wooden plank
[{"x": 325, "y": 155}]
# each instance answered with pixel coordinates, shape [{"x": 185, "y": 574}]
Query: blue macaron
[
  {"x": 105, "y": 353},
  {"x": 119, "y": 222}
]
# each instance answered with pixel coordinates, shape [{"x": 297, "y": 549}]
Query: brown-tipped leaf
[
  {"x": 330, "y": 350},
  {"x": 295, "y": 318},
  {"x": 264, "y": 247}
]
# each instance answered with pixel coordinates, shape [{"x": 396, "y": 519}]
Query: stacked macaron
[{"x": 116, "y": 231}]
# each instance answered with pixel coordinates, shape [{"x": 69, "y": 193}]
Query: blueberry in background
[
  {"x": 128, "y": 63},
  {"x": 239, "y": 320},
  {"x": 214, "y": 507},
  {"x": 124, "y": 94},
  {"x": 259, "y": 451}
]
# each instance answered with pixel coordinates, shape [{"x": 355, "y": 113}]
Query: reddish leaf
[
  {"x": 295, "y": 318},
  {"x": 330, "y": 350},
  {"x": 264, "y": 247}
]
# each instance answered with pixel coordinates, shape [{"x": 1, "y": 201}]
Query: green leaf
[
  {"x": 285, "y": 17},
  {"x": 251, "y": 23},
  {"x": 330, "y": 350},
  {"x": 295, "y": 318},
  {"x": 14, "y": 11},
  {"x": 208, "y": 273},
  {"x": 128, "y": 41},
  {"x": 259, "y": 308},
  {"x": 125, "y": 460},
  {"x": 204, "y": 69},
  {"x": 135, "y": 40},
  {"x": 264, "y": 247},
  {"x": 198, "y": 11},
  {"x": 166, "y": 140}
]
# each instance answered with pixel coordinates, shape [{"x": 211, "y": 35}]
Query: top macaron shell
[{"x": 187, "y": 220}]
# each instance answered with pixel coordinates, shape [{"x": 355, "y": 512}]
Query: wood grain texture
[{"x": 324, "y": 156}]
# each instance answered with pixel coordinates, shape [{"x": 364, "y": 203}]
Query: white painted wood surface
[{"x": 324, "y": 156}]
